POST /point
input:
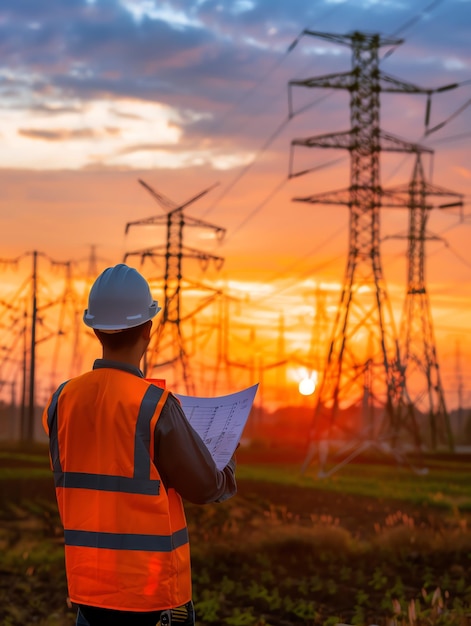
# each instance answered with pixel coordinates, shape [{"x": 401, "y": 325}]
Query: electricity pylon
[
  {"x": 422, "y": 392},
  {"x": 173, "y": 353},
  {"x": 363, "y": 356}
]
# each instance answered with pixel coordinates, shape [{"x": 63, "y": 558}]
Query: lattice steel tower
[
  {"x": 362, "y": 364},
  {"x": 167, "y": 347},
  {"x": 422, "y": 393}
]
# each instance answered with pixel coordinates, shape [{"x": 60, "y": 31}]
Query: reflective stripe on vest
[{"x": 115, "y": 541}]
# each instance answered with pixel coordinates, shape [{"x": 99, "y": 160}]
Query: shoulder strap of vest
[
  {"x": 52, "y": 425},
  {"x": 151, "y": 406}
]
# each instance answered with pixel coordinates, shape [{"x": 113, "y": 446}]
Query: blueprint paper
[{"x": 219, "y": 421}]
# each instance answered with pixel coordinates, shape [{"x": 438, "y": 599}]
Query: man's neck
[{"x": 128, "y": 357}]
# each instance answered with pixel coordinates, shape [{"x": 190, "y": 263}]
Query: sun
[{"x": 308, "y": 384}]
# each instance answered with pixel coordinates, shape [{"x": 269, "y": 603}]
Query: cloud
[
  {"x": 220, "y": 68},
  {"x": 66, "y": 134}
]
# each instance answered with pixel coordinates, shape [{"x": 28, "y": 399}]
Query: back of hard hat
[{"x": 120, "y": 298}]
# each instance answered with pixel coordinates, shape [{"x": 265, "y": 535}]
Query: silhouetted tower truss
[
  {"x": 422, "y": 392},
  {"x": 167, "y": 345},
  {"x": 363, "y": 353}
]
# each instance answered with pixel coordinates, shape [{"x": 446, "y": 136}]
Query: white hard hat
[{"x": 120, "y": 298}]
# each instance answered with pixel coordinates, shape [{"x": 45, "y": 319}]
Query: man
[{"x": 124, "y": 456}]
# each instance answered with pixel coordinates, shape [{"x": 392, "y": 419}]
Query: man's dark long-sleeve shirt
[{"x": 183, "y": 460}]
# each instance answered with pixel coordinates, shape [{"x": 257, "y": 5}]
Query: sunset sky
[{"x": 96, "y": 94}]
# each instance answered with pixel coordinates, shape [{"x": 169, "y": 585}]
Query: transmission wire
[
  {"x": 410, "y": 23},
  {"x": 260, "y": 206},
  {"x": 249, "y": 165},
  {"x": 258, "y": 84},
  {"x": 280, "y": 128},
  {"x": 452, "y": 116},
  {"x": 451, "y": 138}
]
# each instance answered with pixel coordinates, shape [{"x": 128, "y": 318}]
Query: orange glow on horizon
[{"x": 267, "y": 325}]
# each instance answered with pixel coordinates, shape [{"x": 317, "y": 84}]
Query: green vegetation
[
  {"x": 24, "y": 457},
  {"x": 371, "y": 544},
  {"x": 444, "y": 484}
]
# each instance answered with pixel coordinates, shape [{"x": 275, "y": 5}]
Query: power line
[
  {"x": 451, "y": 117},
  {"x": 273, "y": 193},
  {"x": 258, "y": 84},
  {"x": 457, "y": 254},
  {"x": 451, "y": 138},
  {"x": 282, "y": 125},
  {"x": 410, "y": 23},
  {"x": 309, "y": 272},
  {"x": 247, "y": 167},
  {"x": 275, "y": 66},
  {"x": 260, "y": 206},
  {"x": 260, "y": 152}
]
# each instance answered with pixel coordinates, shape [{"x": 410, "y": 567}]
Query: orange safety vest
[{"x": 126, "y": 538}]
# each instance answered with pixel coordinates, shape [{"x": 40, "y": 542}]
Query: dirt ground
[
  {"x": 285, "y": 580},
  {"x": 357, "y": 514}
]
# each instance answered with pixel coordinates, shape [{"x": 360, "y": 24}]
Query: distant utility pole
[
  {"x": 32, "y": 334},
  {"x": 173, "y": 352},
  {"x": 422, "y": 393},
  {"x": 459, "y": 388},
  {"x": 29, "y": 430},
  {"x": 92, "y": 268},
  {"x": 363, "y": 352}
]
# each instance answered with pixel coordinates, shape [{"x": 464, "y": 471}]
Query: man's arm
[{"x": 185, "y": 463}]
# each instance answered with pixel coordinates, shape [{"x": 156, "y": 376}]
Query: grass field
[{"x": 374, "y": 543}]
